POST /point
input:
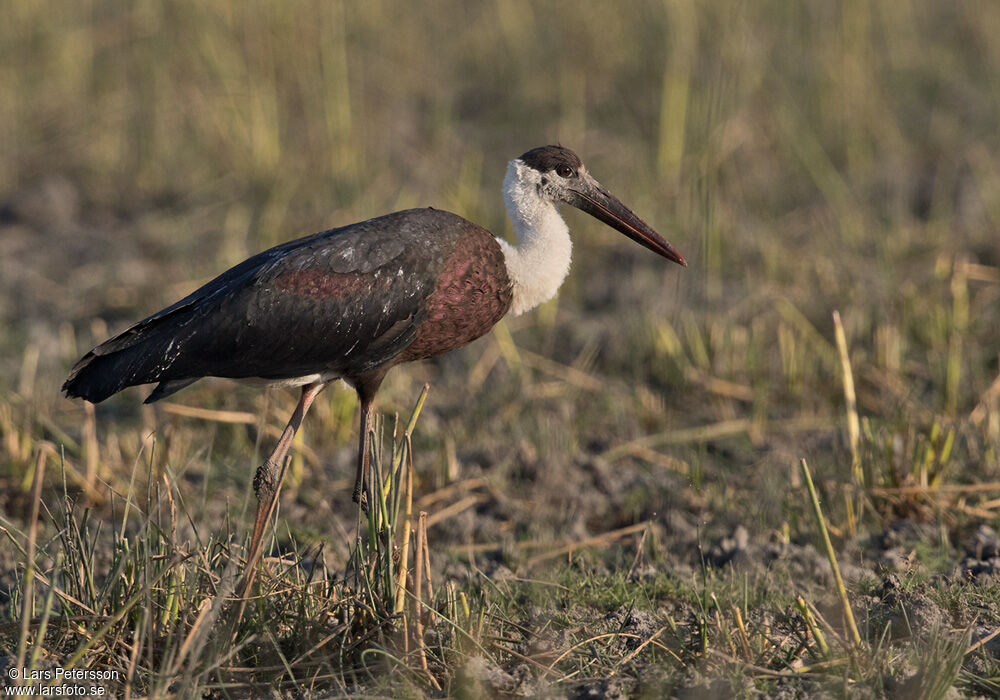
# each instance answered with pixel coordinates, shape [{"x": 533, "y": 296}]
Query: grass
[
  {"x": 611, "y": 484},
  {"x": 160, "y": 616}
]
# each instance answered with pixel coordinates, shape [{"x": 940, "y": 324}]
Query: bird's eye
[{"x": 564, "y": 171}]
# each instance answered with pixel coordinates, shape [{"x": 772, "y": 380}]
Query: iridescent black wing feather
[{"x": 339, "y": 302}]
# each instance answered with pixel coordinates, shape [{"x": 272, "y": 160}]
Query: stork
[{"x": 352, "y": 302}]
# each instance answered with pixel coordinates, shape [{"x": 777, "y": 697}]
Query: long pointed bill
[{"x": 604, "y": 206}]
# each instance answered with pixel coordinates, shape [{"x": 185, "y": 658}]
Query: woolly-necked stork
[{"x": 352, "y": 302}]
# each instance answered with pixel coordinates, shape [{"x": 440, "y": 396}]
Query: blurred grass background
[{"x": 805, "y": 157}]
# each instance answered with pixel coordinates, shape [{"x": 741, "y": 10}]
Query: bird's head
[{"x": 554, "y": 174}]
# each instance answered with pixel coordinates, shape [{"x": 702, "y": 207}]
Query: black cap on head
[
  {"x": 577, "y": 188},
  {"x": 546, "y": 158}
]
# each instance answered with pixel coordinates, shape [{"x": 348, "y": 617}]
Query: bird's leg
[
  {"x": 364, "y": 447},
  {"x": 267, "y": 482},
  {"x": 366, "y": 386}
]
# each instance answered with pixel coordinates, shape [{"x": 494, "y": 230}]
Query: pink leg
[
  {"x": 366, "y": 386},
  {"x": 267, "y": 482},
  {"x": 361, "y": 476}
]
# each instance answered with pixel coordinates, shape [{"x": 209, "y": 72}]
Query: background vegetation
[{"x": 614, "y": 496}]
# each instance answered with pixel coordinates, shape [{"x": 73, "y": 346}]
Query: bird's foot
[{"x": 266, "y": 479}]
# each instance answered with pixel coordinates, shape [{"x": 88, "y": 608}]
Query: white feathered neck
[{"x": 539, "y": 262}]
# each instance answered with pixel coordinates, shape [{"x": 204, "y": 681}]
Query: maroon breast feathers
[{"x": 472, "y": 293}]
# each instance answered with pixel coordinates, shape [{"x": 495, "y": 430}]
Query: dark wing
[{"x": 341, "y": 302}]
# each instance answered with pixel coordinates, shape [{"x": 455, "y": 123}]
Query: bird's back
[{"x": 342, "y": 302}]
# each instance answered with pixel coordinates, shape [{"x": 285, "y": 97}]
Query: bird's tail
[
  {"x": 123, "y": 362},
  {"x": 96, "y": 377}
]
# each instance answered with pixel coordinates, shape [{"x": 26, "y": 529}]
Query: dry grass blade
[
  {"x": 654, "y": 457},
  {"x": 938, "y": 489},
  {"x": 635, "y": 652},
  {"x": 91, "y": 450},
  {"x": 455, "y": 508},
  {"x": 978, "y": 272},
  {"x": 983, "y": 641},
  {"x": 240, "y": 417},
  {"x": 27, "y": 608},
  {"x": 813, "y": 627},
  {"x": 422, "y": 557},
  {"x": 716, "y": 431},
  {"x": 851, "y": 401},
  {"x": 798, "y": 673},
  {"x": 490, "y": 546},
  {"x": 508, "y": 348},
  {"x": 446, "y": 492},
  {"x": 598, "y": 540},
  {"x": 831, "y": 555},
  {"x": 718, "y": 386},
  {"x": 988, "y": 398},
  {"x": 404, "y": 556},
  {"x": 46, "y": 614},
  {"x": 589, "y": 640},
  {"x": 640, "y": 550},
  {"x": 956, "y": 336},
  {"x": 482, "y": 368},
  {"x": 570, "y": 375},
  {"x": 741, "y": 630},
  {"x": 796, "y": 318},
  {"x": 721, "y": 429},
  {"x": 418, "y": 578},
  {"x": 427, "y": 556}
]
